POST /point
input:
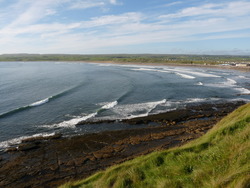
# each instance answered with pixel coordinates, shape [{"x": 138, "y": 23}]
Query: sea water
[{"x": 44, "y": 98}]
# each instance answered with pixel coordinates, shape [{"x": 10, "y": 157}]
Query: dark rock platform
[{"x": 51, "y": 161}]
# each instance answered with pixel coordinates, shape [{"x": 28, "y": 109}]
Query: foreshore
[
  {"x": 239, "y": 68},
  {"x": 52, "y": 161}
]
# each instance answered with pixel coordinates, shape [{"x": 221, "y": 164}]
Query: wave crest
[
  {"x": 16, "y": 141},
  {"x": 137, "y": 110},
  {"x": 73, "y": 122},
  {"x": 39, "y": 103},
  {"x": 109, "y": 105}
]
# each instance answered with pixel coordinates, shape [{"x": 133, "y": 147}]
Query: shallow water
[{"x": 41, "y": 98}]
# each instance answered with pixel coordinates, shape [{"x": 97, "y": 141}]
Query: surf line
[
  {"x": 39, "y": 102},
  {"x": 73, "y": 122}
]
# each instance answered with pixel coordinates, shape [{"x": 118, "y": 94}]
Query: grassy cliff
[{"x": 220, "y": 158}]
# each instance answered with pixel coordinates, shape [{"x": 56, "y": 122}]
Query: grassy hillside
[{"x": 221, "y": 158}]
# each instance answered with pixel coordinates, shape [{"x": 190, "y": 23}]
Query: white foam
[
  {"x": 41, "y": 102},
  {"x": 199, "y": 84},
  {"x": 231, "y": 81},
  {"x": 163, "y": 71},
  {"x": 166, "y": 71},
  {"x": 77, "y": 119},
  {"x": 110, "y": 105},
  {"x": 242, "y": 77},
  {"x": 18, "y": 140},
  {"x": 153, "y": 70},
  {"x": 143, "y": 69},
  {"x": 137, "y": 116},
  {"x": 104, "y": 65},
  {"x": 129, "y": 111},
  {"x": 70, "y": 123},
  {"x": 138, "y": 66},
  {"x": 185, "y": 76},
  {"x": 228, "y": 83},
  {"x": 195, "y": 100},
  {"x": 137, "y": 110},
  {"x": 243, "y": 90},
  {"x": 240, "y": 99},
  {"x": 192, "y": 72}
]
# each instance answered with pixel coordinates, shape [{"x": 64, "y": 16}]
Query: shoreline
[
  {"x": 244, "y": 69},
  {"x": 53, "y": 161},
  {"x": 229, "y": 67}
]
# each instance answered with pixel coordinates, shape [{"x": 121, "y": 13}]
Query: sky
[{"x": 215, "y": 27}]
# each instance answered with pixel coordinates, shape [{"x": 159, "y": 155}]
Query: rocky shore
[{"x": 51, "y": 161}]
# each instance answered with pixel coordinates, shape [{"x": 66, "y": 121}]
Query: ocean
[{"x": 44, "y": 98}]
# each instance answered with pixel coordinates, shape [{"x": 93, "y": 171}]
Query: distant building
[
  {"x": 236, "y": 64},
  {"x": 242, "y": 64}
]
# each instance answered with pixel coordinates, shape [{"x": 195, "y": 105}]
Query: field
[{"x": 130, "y": 58}]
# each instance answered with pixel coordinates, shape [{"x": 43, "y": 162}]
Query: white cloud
[
  {"x": 114, "y": 2},
  {"x": 129, "y": 17},
  {"x": 86, "y": 4},
  {"x": 28, "y": 12},
  {"x": 49, "y": 12},
  {"x": 173, "y": 4},
  {"x": 230, "y": 9},
  {"x": 26, "y": 34}
]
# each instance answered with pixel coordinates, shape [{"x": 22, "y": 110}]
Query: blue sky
[{"x": 125, "y": 26}]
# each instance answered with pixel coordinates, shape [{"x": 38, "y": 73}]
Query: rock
[
  {"x": 46, "y": 162},
  {"x": 32, "y": 139},
  {"x": 27, "y": 146},
  {"x": 38, "y": 139},
  {"x": 11, "y": 149},
  {"x": 95, "y": 122},
  {"x": 56, "y": 136},
  {"x": 92, "y": 158}
]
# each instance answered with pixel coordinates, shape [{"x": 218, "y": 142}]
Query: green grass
[
  {"x": 220, "y": 158},
  {"x": 132, "y": 58}
]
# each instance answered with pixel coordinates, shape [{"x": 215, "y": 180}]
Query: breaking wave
[
  {"x": 35, "y": 104},
  {"x": 200, "y": 74},
  {"x": 199, "y": 100},
  {"x": 185, "y": 75},
  {"x": 73, "y": 122},
  {"x": 15, "y": 141},
  {"x": 243, "y": 91},
  {"x": 128, "y": 111},
  {"x": 38, "y": 103},
  {"x": 228, "y": 83},
  {"x": 231, "y": 81},
  {"x": 153, "y": 70},
  {"x": 110, "y": 105},
  {"x": 41, "y": 102},
  {"x": 167, "y": 71}
]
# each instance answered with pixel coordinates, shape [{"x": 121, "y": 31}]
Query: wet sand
[{"x": 52, "y": 161}]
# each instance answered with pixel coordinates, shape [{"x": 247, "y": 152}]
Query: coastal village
[{"x": 237, "y": 64}]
